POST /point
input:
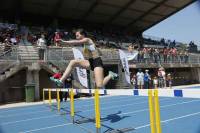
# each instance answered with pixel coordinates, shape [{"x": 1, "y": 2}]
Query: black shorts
[{"x": 97, "y": 62}]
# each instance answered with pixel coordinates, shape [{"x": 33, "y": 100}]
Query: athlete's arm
[{"x": 76, "y": 42}]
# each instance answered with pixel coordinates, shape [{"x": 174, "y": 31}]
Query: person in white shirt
[
  {"x": 41, "y": 43},
  {"x": 140, "y": 79}
]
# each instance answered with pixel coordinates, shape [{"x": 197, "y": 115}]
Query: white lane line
[
  {"x": 25, "y": 120},
  {"x": 117, "y": 106},
  {"x": 172, "y": 119},
  {"x": 45, "y": 128},
  {"x": 78, "y": 100},
  {"x": 164, "y": 106},
  {"x": 141, "y": 111},
  {"x": 13, "y": 122},
  {"x": 21, "y": 108},
  {"x": 11, "y": 115},
  {"x": 20, "y": 114},
  {"x": 113, "y": 102}
]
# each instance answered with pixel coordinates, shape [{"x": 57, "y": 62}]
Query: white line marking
[
  {"x": 45, "y": 128},
  {"x": 172, "y": 119},
  {"x": 112, "y": 102},
  {"x": 20, "y": 114},
  {"x": 117, "y": 106},
  {"x": 25, "y": 120},
  {"x": 164, "y": 106},
  {"x": 29, "y": 107}
]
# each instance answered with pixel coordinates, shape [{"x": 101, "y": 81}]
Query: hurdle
[
  {"x": 154, "y": 111},
  {"x": 58, "y": 100},
  {"x": 97, "y": 111},
  {"x": 50, "y": 90},
  {"x": 72, "y": 105}
]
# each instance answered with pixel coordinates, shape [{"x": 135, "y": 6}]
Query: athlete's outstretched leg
[
  {"x": 73, "y": 63},
  {"x": 110, "y": 76}
]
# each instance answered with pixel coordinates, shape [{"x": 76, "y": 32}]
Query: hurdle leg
[
  {"x": 151, "y": 111},
  {"x": 97, "y": 112},
  {"x": 157, "y": 112},
  {"x": 58, "y": 100},
  {"x": 50, "y": 101},
  {"x": 43, "y": 96},
  {"x": 72, "y": 104}
]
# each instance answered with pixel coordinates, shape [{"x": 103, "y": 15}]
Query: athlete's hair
[{"x": 81, "y": 31}]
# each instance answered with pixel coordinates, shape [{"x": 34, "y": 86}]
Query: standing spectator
[
  {"x": 161, "y": 78},
  {"x": 57, "y": 38},
  {"x": 181, "y": 54},
  {"x": 156, "y": 55},
  {"x": 151, "y": 51},
  {"x": 146, "y": 55},
  {"x": 174, "y": 54},
  {"x": 186, "y": 55},
  {"x": 140, "y": 55},
  {"x": 169, "y": 80},
  {"x": 140, "y": 79},
  {"x": 7, "y": 47},
  {"x": 41, "y": 43},
  {"x": 155, "y": 82},
  {"x": 133, "y": 81},
  {"x": 165, "y": 54},
  {"x": 146, "y": 79}
]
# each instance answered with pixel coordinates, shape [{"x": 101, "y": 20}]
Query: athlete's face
[{"x": 79, "y": 36}]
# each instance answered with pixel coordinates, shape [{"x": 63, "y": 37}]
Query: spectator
[
  {"x": 57, "y": 38},
  {"x": 165, "y": 54},
  {"x": 140, "y": 79},
  {"x": 146, "y": 55},
  {"x": 134, "y": 81},
  {"x": 174, "y": 54},
  {"x": 140, "y": 55},
  {"x": 186, "y": 55},
  {"x": 7, "y": 47},
  {"x": 156, "y": 56},
  {"x": 155, "y": 82},
  {"x": 169, "y": 80},
  {"x": 161, "y": 77},
  {"x": 146, "y": 79},
  {"x": 41, "y": 43}
]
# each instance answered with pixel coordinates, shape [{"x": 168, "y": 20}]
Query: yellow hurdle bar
[
  {"x": 58, "y": 99},
  {"x": 50, "y": 103},
  {"x": 43, "y": 96},
  {"x": 97, "y": 111},
  {"x": 151, "y": 111},
  {"x": 72, "y": 104},
  {"x": 157, "y": 112}
]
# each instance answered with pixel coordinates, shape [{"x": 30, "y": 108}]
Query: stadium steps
[
  {"x": 11, "y": 70},
  {"x": 28, "y": 53},
  {"x": 49, "y": 67}
]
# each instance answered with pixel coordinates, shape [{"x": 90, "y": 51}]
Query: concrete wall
[
  {"x": 12, "y": 89},
  {"x": 44, "y": 81}
]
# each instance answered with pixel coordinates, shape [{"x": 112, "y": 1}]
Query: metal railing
[
  {"x": 10, "y": 55},
  {"x": 61, "y": 56}
]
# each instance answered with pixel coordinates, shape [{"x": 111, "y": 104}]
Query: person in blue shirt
[{"x": 146, "y": 79}]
